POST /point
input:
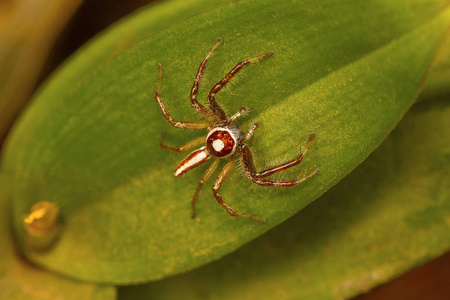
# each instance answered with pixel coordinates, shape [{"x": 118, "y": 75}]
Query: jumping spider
[{"x": 223, "y": 140}]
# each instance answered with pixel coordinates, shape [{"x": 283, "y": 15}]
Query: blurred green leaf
[
  {"x": 90, "y": 141},
  {"x": 28, "y": 29},
  {"x": 438, "y": 82},
  {"x": 20, "y": 279},
  {"x": 389, "y": 215}
]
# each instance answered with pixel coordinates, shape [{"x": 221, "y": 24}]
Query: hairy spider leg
[
  {"x": 220, "y": 179},
  {"x": 218, "y": 86},
  {"x": 287, "y": 165},
  {"x": 183, "y": 148},
  {"x": 205, "y": 177},
  {"x": 249, "y": 169},
  {"x": 178, "y": 124},
  {"x": 251, "y": 131},
  {"x": 201, "y": 109},
  {"x": 237, "y": 115}
]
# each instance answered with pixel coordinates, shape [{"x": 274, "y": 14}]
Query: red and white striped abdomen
[{"x": 193, "y": 160}]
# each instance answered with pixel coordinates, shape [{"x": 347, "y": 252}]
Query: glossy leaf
[
  {"x": 90, "y": 141},
  {"x": 19, "y": 279},
  {"x": 389, "y": 215}
]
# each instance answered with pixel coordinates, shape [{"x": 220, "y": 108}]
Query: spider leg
[
  {"x": 178, "y": 124},
  {"x": 237, "y": 115},
  {"x": 205, "y": 177},
  {"x": 249, "y": 169},
  {"x": 220, "y": 179},
  {"x": 250, "y": 132},
  {"x": 183, "y": 148},
  {"x": 201, "y": 109},
  {"x": 218, "y": 86}
]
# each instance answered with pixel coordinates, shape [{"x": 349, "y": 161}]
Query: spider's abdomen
[{"x": 221, "y": 142}]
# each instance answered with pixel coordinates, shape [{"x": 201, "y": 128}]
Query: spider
[{"x": 223, "y": 141}]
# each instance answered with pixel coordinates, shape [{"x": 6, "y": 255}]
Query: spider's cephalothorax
[{"x": 223, "y": 140}]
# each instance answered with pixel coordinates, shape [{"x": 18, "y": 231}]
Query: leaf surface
[
  {"x": 438, "y": 82},
  {"x": 389, "y": 215},
  {"x": 90, "y": 141},
  {"x": 19, "y": 279}
]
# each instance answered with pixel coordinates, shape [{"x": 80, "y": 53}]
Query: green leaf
[
  {"x": 438, "y": 82},
  {"x": 90, "y": 141},
  {"x": 21, "y": 280},
  {"x": 26, "y": 39},
  {"x": 389, "y": 215}
]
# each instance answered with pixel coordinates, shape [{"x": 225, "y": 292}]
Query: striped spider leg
[{"x": 224, "y": 140}]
